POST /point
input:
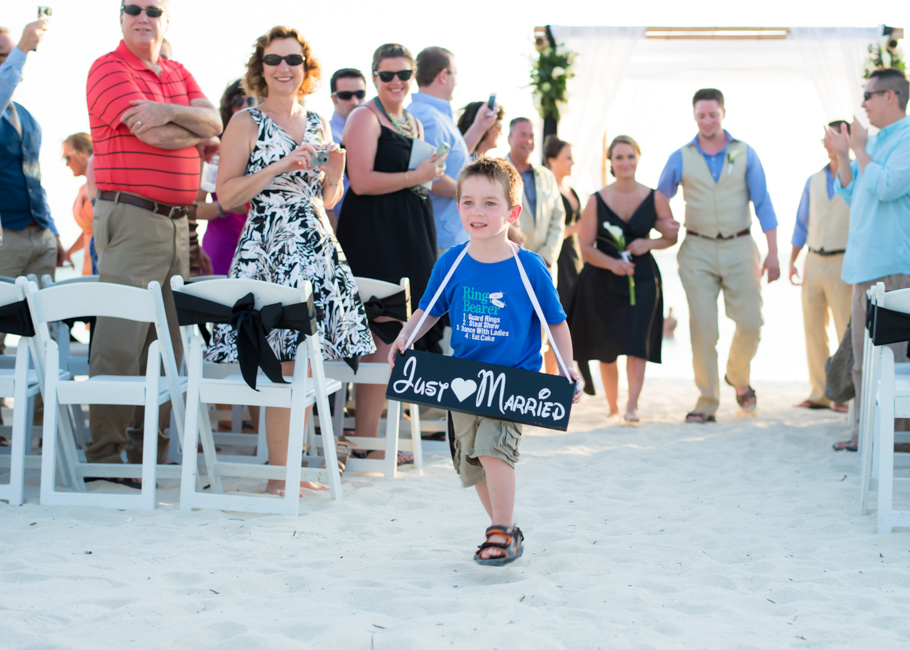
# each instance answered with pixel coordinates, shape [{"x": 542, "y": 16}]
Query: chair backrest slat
[
  {"x": 229, "y": 290},
  {"x": 63, "y": 301},
  {"x": 898, "y": 300}
]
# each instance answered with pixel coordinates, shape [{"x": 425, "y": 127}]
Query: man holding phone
[{"x": 436, "y": 78}]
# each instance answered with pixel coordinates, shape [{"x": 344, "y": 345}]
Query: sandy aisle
[{"x": 738, "y": 535}]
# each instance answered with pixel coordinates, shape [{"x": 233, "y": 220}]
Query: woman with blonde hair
[
  {"x": 617, "y": 308},
  {"x": 269, "y": 157}
]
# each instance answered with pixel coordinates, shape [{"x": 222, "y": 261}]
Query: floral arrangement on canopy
[
  {"x": 549, "y": 76},
  {"x": 884, "y": 54}
]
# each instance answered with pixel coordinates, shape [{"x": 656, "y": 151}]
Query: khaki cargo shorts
[{"x": 473, "y": 436}]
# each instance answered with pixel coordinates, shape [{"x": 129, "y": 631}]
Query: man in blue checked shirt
[
  {"x": 436, "y": 77},
  {"x": 720, "y": 175},
  {"x": 876, "y": 186}
]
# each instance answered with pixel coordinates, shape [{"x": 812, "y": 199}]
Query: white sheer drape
[
  {"x": 834, "y": 58},
  {"x": 603, "y": 57},
  {"x": 830, "y": 58}
]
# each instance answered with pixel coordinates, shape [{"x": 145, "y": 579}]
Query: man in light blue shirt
[
  {"x": 436, "y": 78},
  {"x": 348, "y": 92},
  {"x": 876, "y": 186},
  {"x": 720, "y": 176}
]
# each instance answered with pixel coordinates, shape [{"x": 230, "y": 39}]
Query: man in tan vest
[
  {"x": 720, "y": 175},
  {"x": 822, "y": 223}
]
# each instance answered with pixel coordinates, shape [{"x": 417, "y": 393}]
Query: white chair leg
[
  {"x": 392, "y": 426},
  {"x": 150, "y": 439},
  {"x": 416, "y": 440},
  {"x": 885, "y": 453}
]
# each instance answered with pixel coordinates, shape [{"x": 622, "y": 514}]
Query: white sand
[{"x": 743, "y": 534}]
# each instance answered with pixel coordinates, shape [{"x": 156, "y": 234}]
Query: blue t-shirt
[{"x": 492, "y": 317}]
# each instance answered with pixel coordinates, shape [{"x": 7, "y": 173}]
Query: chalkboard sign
[{"x": 482, "y": 389}]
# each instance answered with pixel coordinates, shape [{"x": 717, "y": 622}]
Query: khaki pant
[
  {"x": 30, "y": 250},
  {"x": 823, "y": 292},
  {"x": 707, "y": 267},
  {"x": 134, "y": 247},
  {"x": 858, "y": 318}
]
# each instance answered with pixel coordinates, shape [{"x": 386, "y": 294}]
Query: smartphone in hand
[
  {"x": 442, "y": 149},
  {"x": 491, "y": 103}
]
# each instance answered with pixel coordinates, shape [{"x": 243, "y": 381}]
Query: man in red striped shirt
[{"x": 150, "y": 124}]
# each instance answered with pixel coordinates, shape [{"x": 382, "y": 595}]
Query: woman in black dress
[
  {"x": 603, "y": 321},
  {"x": 386, "y": 223},
  {"x": 557, "y": 156}
]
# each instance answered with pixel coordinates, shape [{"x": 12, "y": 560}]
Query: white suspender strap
[
  {"x": 543, "y": 320},
  {"x": 438, "y": 293}
]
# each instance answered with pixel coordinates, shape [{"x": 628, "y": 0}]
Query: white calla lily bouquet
[{"x": 618, "y": 239}]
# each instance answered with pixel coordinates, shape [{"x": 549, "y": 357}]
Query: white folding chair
[
  {"x": 886, "y": 397},
  {"x": 376, "y": 374},
  {"x": 301, "y": 392},
  {"x": 104, "y": 299},
  {"x": 236, "y": 438},
  {"x": 73, "y": 356},
  {"x": 20, "y": 383}
]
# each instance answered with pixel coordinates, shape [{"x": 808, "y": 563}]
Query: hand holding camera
[{"x": 34, "y": 32}]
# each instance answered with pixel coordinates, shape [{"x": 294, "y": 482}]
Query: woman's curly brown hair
[{"x": 253, "y": 81}]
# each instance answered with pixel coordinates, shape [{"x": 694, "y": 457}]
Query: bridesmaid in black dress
[
  {"x": 557, "y": 156},
  {"x": 386, "y": 227},
  {"x": 603, "y": 321}
]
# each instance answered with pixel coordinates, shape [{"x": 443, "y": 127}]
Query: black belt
[
  {"x": 741, "y": 233},
  {"x": 169, "y": 211},
  {"x": 825, "y": 253}
]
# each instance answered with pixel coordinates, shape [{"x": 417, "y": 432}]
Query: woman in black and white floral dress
[{"x": 266, "y": 159}]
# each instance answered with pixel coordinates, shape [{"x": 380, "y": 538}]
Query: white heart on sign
[{"x": 463, "y": 388}]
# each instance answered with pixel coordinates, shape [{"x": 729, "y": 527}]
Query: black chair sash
[
  {"x": 15, "y": 318},
  {"x": 394, "y": 306},
  {"x": 889, "y": 326},
  {"x": 252, "y": 326}
]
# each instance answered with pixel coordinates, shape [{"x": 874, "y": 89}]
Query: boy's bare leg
[
  {"x": 610, "y": 375},
  {"x": 277, "y": 430},
  {"x": 635, "y": 371},
  {"x": 497, "y": 494}
]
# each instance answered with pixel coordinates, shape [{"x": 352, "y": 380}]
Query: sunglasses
[
  {"x": 240, "y": 102},
  {"x": 868, "y": 94},
  {"x": 135, "y": 10},
  {"x": 345, "y": 95},
  {"x": 290, "y": 59},
  {"x": 386, "y": 75}
]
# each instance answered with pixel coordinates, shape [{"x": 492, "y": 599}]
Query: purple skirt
[{"x": 220, "y": 240}]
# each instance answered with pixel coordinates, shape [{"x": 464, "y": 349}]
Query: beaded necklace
[{"x": 404, "y": 126}]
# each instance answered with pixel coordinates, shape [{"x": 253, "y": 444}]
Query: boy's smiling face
[{"x": 484, "y": 209}]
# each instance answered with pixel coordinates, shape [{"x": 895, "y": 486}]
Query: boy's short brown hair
[{"x": 498, "y": 170}]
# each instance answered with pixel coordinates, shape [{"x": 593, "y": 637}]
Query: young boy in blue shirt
[{"x": 493, "y": 321}]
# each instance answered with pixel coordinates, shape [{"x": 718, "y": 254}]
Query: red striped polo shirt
[{"x": 122, "y": 161}]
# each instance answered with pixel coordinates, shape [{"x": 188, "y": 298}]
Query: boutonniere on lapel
[{"x": 731, "y": 156}]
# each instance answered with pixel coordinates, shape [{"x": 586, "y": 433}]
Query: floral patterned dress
[{"x": 287, "y": 240}]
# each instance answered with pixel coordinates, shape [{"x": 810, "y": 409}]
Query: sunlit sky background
[{"x": 493, "y": 43}]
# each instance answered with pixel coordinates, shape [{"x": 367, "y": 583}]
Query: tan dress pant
[
  {"x": 707, "y": 267},
  {"x": 134, "y": 247},
  {"x": 30, "y": 250},
  {"x": 823, "y": 293},
  {"x": 858, "y": 318}
]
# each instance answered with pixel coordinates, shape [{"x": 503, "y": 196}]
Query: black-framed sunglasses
[
  {"x": 290, "y": 59},
  {"x": 240, "y": 101},
  {"x": 868, "y": 94},
  {"x": 387, "y": 75},
  {"x": 135, "y": 10},
  {"x": 345, "y": 95}
]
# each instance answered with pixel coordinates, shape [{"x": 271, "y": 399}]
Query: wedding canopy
[{"x": 830, "y": 59}]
